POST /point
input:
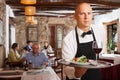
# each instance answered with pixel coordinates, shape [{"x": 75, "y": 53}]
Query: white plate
[{"x": 78, "y": 63}]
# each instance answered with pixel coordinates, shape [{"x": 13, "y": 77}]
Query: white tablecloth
[
  {"x": 114, "y": 57},
  {"x": 45, "y": 74}
]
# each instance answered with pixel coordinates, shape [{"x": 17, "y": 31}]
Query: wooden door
[
  {"x": 56, "y": 38},
  {"x": 52, "y": 37}
]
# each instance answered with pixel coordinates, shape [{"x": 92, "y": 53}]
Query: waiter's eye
[
  {"x": 89, "y": 13},
  {"x": 82, "y": 13}
]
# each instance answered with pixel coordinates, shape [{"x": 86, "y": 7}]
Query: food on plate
[{"x": 82, "y": 59}]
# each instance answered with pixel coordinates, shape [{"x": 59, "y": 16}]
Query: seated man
[{"x": 36, "y": 57}]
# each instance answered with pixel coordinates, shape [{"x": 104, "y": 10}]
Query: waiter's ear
[{"x": 74, "y": 16}]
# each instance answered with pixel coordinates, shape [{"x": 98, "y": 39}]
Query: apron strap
[
  {"x": 94, "y": 39},
  {"x": 77, "y": 39}
]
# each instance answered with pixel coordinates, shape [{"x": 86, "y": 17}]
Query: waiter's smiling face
[{"x": 83, "y": 15}]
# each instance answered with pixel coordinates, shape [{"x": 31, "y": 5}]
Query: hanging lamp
[
  {"x": 28, "y": 2},
  {"x": 30, "y": 10},
  {"x": 34, "y": 21},
  {"x": 29, "y": 19}
]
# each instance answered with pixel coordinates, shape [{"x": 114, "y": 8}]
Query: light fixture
[
  {"x": 34, "y": 21},
  {"x": 29, "y": 19},
  {"x": 30, "y": 10},
  {"x": 28, "y": 1}
]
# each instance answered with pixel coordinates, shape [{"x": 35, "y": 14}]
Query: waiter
[{"x": 79, "y": 41}]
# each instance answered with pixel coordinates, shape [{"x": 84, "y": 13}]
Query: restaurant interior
[{"x": 51, "y": 20}]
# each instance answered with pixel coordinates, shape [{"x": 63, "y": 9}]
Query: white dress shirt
[
  {"x": 48, "y": 51},
  {"x": 69, "y": 46}
]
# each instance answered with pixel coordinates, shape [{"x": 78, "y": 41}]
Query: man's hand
[
  {"x": 45, "y": 63},
  {"x": 79, "y": 72}
]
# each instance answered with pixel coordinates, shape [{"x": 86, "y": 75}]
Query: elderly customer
[
  {"x": 36, "y": 57},
  {"x": 38, "y": 60}
]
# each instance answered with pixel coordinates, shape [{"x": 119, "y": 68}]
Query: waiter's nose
[{"x": 86, "y": 15}]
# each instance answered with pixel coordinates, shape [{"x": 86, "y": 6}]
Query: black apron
[{"x": 86, "y": 50}]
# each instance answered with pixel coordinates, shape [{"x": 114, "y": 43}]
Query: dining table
[
  {"x": 111, "y": 73},
  {"x": 46, "y": 73}
]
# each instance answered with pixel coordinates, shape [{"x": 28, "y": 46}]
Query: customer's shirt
[
  {"x": 69, "y": 46},
  {"x": 14, "y": 56},
  {"x": 29, "y": 48},
  {"x": 37, "y": 60},
  {"x": 48, "y": 51}
]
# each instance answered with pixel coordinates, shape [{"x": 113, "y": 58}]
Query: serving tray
[{"x": 90, "y": 64}]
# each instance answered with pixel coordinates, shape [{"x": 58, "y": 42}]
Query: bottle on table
[{"x": 26, "y": 65}]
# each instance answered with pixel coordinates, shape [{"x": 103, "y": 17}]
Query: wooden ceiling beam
[
  {"x": 65, "y": 2},
  {"x": 99, "y": 6}
]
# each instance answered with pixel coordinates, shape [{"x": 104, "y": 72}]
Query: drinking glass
[
  {"x": 30, "y": 65},
  {"x": 97, "y": 47}
]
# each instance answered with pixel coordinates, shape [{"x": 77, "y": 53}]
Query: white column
[
  {"x": 7, "y": 32},
  {"x": 9, "y": 13},
  {"x": 12, "y": 37}
]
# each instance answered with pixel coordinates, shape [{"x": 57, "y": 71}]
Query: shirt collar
[
  {"x": 37, "y": 54},
  {"x": 79, "y": 31}
]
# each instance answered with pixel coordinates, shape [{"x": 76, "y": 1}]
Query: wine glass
[{"x": 97, "y": 47}]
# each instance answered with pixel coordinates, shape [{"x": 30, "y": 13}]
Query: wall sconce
[
  {"x": 28, "y": 1},
  {"x": 30, "y": 10}
]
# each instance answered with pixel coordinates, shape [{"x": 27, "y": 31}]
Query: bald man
[
  {"x": 76, "y": 43},
  {"x": 36, "y": 57}
]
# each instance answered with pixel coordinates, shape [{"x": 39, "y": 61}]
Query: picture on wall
[{"x": 32, "y": 34}]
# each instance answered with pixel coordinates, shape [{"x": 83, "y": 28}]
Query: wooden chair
[
  {"x": 58, "y": 68},
  {"x": 13, "y": 64}
]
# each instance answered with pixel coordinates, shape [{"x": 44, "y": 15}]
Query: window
[
  {"x": 112, "y": 29},
  {"x": 59, "y": 36},
  {"x": 112, "y": 36}
]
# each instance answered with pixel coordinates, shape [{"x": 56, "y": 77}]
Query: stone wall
[
  {"x": 2, "y": 18},
  {"x": 43, "y": 30}
]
